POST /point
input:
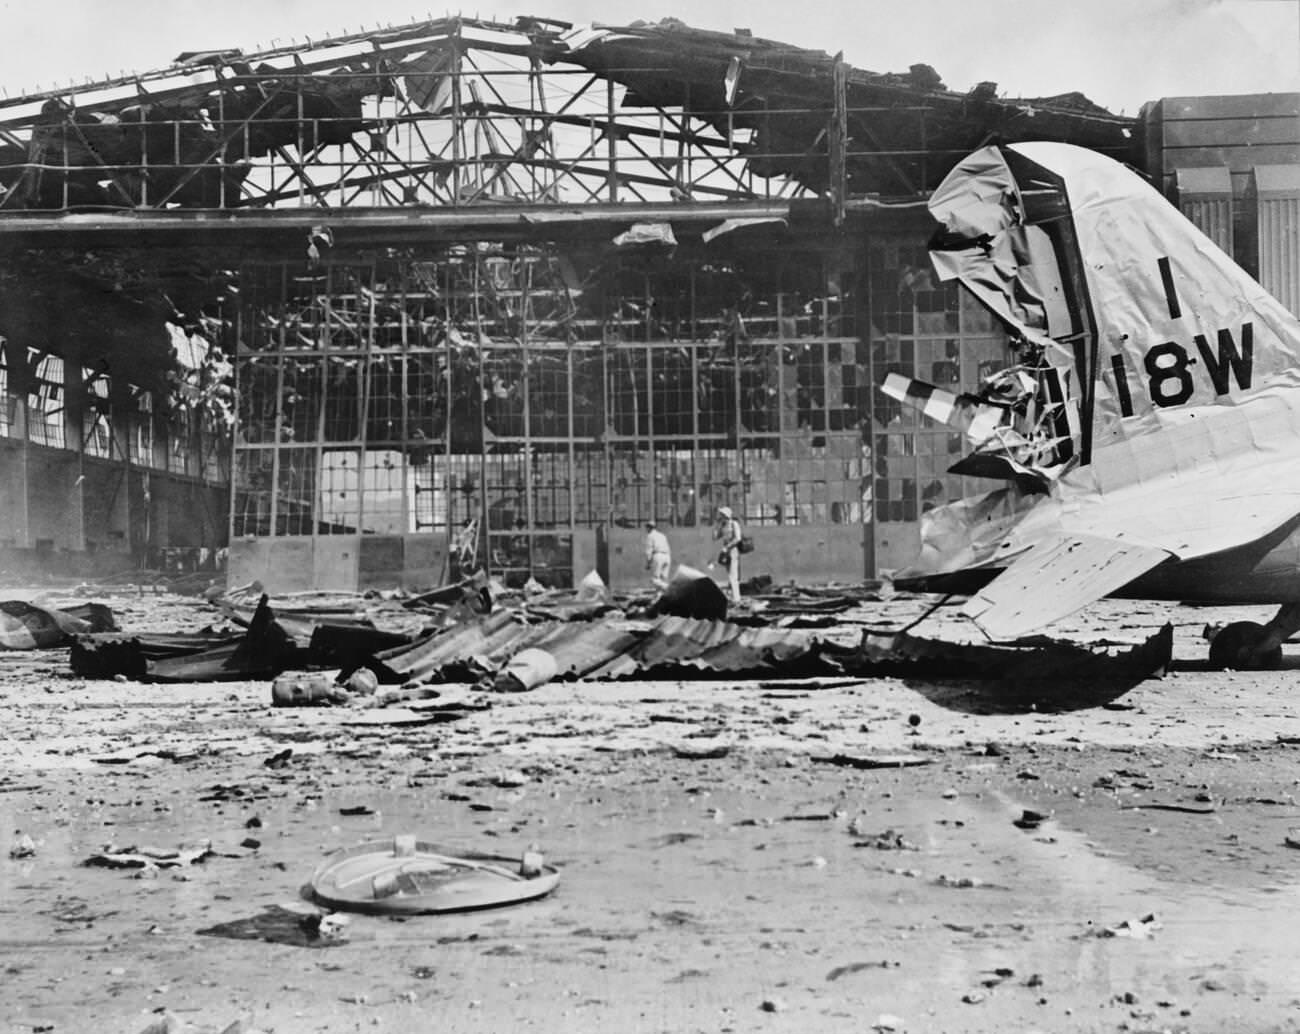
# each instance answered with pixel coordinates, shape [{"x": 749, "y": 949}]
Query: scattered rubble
[
  {"x": 336, "y": 649},
  {"x": 148, "y": 858},
  {"x": 889, "y": 840}
]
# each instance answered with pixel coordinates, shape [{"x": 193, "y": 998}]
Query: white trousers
[{"x": 733, "y": 574}]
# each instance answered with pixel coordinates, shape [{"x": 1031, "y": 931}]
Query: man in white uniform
[
  {"x": 658, "y": 555},
  {"x": 728, "y": 530}
]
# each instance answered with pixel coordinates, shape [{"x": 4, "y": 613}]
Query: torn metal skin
[{"x": 1149, "y": 435}]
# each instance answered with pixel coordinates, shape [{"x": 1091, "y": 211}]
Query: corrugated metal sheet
[
  {"x": 1205, "y": 197},
  {"x": 707, "y": 646},
  {"x": 582, "y": 648},
  {"x": 1277, "y": 192},
  {"x": 676, "y": 647},
  {"x": 674, "y": 640},
  {"x": 757, "y": 648},
  {"x": 605, "y": 650},
  {"x": 485, "y": 644}
]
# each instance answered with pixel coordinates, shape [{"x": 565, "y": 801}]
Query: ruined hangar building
[{"x": 492, "y": 293}]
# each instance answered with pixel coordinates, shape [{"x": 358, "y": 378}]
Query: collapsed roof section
[
  {"x": 460, "y": 112},
  {"x": 904, "y": 131}
]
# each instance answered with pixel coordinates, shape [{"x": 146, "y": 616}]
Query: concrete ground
[{"x": 720, "y": 873}]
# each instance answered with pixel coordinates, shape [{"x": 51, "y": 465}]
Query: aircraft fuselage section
[{"x": 1267, "y": 571}]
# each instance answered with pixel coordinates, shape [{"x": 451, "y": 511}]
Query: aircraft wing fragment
[{"x": 1054, "y": 578}]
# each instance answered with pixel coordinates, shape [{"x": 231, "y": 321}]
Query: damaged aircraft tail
[{"x": 1149, "y": 435}]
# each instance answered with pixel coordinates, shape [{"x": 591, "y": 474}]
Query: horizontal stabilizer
[{"x": 1055, "y": 578}]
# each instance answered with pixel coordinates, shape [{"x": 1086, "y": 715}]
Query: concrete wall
[
  {"x": 587, "y": 556},
  {"x": 351, "y": 563},
  {"x": 184, "y": 513},
  {"x": 71, "y": 503},
  {"x": 286, "y": 564},
  {"x": 13, "y": 495},
  {"x": 54, "y": 510},
  {"x": 897, "y": 546},
  {"x": 341, "y": 563},
  {"x": 401, "y": 561},
  {"x": 105, "y": 503},
  {"x": 786, "y": 554}
]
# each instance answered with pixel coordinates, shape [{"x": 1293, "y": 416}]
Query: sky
[{"x": 1120, "y": 53}]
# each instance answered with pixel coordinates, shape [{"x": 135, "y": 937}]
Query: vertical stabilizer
[{"x": 1085, "y": 259}]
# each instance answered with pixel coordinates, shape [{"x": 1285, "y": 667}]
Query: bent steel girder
[{"x": 460, "y": 112}]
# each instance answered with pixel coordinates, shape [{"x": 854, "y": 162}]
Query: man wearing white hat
[{"x": 728, "y": 530}]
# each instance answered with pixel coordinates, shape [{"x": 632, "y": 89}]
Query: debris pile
[{"x": 322, "y": 649}]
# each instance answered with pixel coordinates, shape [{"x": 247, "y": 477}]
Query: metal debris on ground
[
  {"x": 874, "y": 760},
  {"x": 26, "y": 626},
  {"x": 329, "y": 649},
  {"x": 113, "y": 857},
  {"x": 1030, "y": 819},
  {"x": 889, "y": 840},
  {"x": 1139, "y": 929},
  {"x": 511, "y": 655},
  {"x": 856, "y": 967},
  {"x": 406, "y": 876},
  {"x": 23, "y": 847},
  {"x": 691, "y": 594},
  {"x": 327, "y": 927},
  {"x": 713, "y": 753},
  {"x": 1031, "y": 668},
  {"x": 306, "y": 689}
]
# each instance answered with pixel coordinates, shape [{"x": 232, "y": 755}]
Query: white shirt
[{"x": 656, "y": 542}]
